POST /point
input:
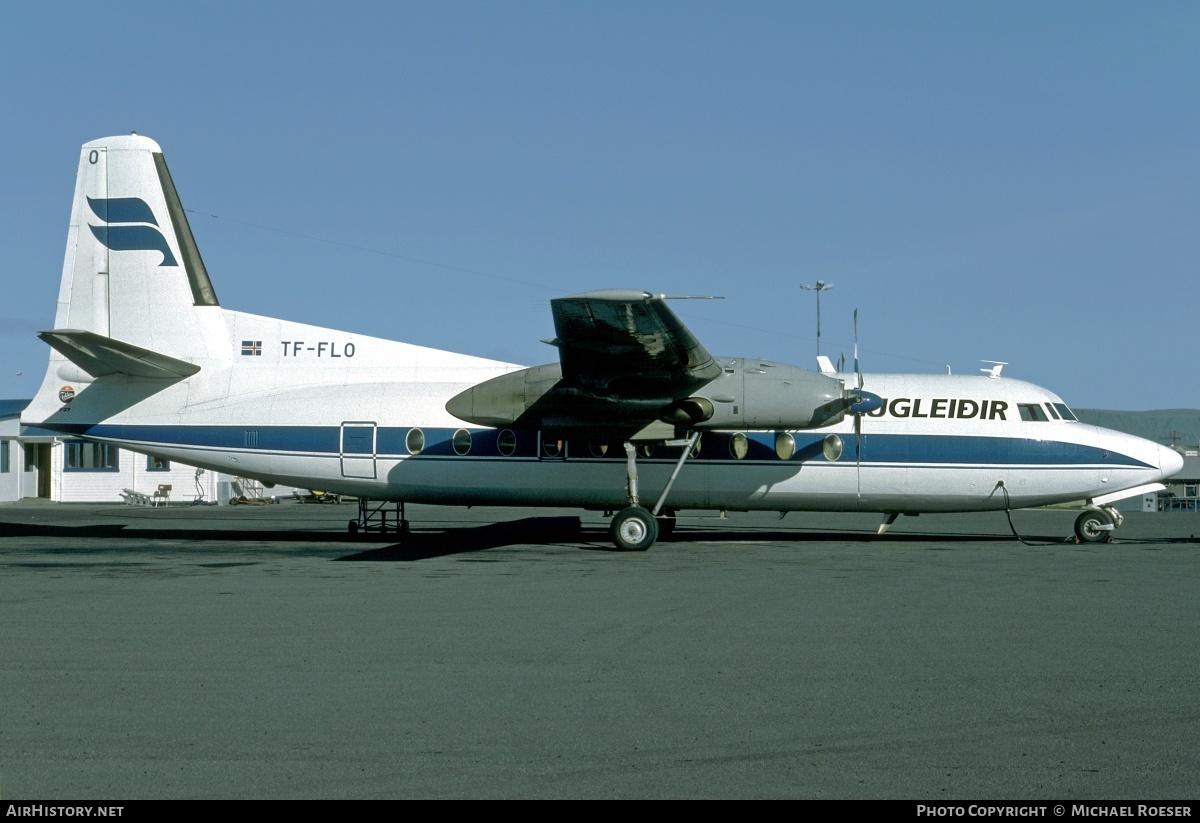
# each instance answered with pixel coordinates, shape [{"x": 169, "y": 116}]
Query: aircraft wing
[
  {"x": 628, "y": 344},
  {"x": 624, "y": 358}
]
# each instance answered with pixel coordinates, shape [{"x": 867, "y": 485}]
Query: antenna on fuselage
[{"x": 994, "y": 371}]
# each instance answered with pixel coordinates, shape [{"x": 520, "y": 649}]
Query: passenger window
[
  {"x": 461, "y": 441},
  {"x": 506, "y": 442},
  {"x": 785, "y": 446},
  {"x": 739, "y": 446}
]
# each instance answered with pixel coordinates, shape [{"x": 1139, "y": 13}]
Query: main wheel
[
  {"x": 1093, "y": 527},
  {"x": 634, "y": 529}
]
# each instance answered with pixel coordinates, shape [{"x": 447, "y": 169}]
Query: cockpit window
[
  {"x": 1032, "y": 411},
  {"x": 1053, "y": 413},
  {"x": 1064, "y": 412}
]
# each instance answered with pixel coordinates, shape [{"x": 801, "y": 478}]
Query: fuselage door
[{"x": 358, "y": 449}]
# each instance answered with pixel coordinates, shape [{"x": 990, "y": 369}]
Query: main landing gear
[{"x": 634, "y": 528}]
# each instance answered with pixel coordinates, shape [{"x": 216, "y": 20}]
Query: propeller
[
  {"x": 857, "y": 413},
  {"x": 866, "y": 403}
]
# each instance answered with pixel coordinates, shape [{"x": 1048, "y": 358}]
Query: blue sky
[{"x": 1006, "y": 181}]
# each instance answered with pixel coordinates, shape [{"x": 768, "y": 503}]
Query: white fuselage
[{"x": 304, "y": 406}]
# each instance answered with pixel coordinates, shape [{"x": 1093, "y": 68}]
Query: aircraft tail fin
[
  {"x": 132, "y": 269},
  {"x": 135, "y": 299}
]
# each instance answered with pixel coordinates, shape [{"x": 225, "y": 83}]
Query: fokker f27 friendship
[{"x": 636, "y": 416}]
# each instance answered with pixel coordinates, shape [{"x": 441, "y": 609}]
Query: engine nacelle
[{"x": 755, "y": 394}]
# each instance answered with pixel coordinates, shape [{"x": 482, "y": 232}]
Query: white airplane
[{"x": 144, "y": 357}]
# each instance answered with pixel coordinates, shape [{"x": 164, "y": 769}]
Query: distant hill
[{"x": 1152, "y": 425}]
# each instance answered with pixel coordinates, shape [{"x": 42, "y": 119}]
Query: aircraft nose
[{"x": 1170, "y": 461}]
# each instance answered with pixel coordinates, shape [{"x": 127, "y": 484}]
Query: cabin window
[
  {"x": 1032, "y": 412},
  {"x": 506, "y": 443},
  {"x": 785, "y": 446},
  {"x": 646, "y": 449},
  {"x": 831, "y": 447},
  {"x": 1064, "y": 412},
  {"x": 552, "y": 448},
  {"x": 739, "y": 446},
  {"x": 414, "y": 441},
  {"x": 3, "y": 457},
  {"x": 84, "y": 457},
  {"x": 157, "y": 464},
  {"x": 597, "y": 449},
  {"x": 462, "y": 441}
]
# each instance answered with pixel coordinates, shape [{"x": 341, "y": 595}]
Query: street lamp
[{"x": 820, "y": 286}]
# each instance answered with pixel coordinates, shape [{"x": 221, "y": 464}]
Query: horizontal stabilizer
[{"x": 99, "y": 356}]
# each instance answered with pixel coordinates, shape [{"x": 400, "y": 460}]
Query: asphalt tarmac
[{"x": 260, "y": 652}]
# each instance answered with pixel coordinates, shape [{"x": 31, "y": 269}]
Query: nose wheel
[{"x": 1094, "y": 526}]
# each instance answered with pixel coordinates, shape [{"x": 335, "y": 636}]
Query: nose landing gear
[{"x": 1096, "y": 525}]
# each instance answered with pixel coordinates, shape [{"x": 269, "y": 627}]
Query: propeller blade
[
  {"x": 867, "y": 402},
  {"x": 858, "y": 452},
  {"x": 856, "y": 371}
]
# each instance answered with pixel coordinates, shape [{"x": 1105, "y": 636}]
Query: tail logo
[{"x": 130, "y": 227}]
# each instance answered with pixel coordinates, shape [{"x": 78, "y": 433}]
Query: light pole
[{"x": 820, "y": 286}]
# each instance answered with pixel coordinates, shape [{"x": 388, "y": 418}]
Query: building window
[
  {"x": 3, "y": 457},
  {"x": 157, "y": 464},
  {"x": 84, "y": 457}
]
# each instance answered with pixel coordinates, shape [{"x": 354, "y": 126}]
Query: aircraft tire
[
  {"x": 634, "y": 529},
  {"x": 1089, "y": 527}
]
